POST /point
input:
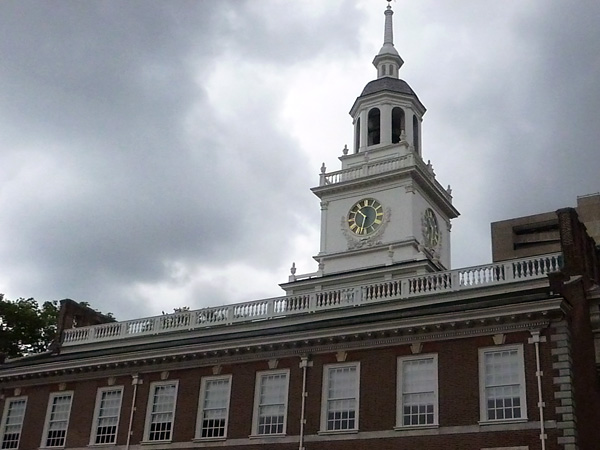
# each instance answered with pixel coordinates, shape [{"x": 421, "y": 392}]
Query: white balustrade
[
  {"x": 281, "y": 307},
  {"x": 378, "y": 167}
]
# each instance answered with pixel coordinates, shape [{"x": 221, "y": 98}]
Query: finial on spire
[{"x": 388, "y": 34}]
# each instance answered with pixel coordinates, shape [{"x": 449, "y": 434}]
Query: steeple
[
  {"x": 384, "y": 213},
  {"x": 387, "y": 112},
  {"x": 388, "y": 61}
]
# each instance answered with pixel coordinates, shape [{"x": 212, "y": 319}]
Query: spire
[
  {"x": 388, "y": 61},
  {"x": 388, "y": 34}
]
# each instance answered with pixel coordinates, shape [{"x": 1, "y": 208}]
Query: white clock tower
[{"x": 384, "y": 211}]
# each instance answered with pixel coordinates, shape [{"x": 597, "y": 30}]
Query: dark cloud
[
  {"x": 143, "y": 150},
  {"x": 115, "y": 185}
]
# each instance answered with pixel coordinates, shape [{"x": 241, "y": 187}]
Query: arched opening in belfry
[
  {"x": 416, "y": 133},
  {"x": 397, "y": 124},
  {"x": 357, "y": 136},
  {"x": 374, "y": 127}
]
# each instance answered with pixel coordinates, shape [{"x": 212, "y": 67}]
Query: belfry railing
[{"x": 500, "y": 273}]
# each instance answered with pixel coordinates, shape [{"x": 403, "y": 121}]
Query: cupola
[{"x": 387, "y": 112}]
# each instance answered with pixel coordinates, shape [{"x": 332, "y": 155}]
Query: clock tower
[{"x": 384, "y": 211}]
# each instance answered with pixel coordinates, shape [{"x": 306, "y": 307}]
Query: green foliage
[{"x": 25, "y": 327}]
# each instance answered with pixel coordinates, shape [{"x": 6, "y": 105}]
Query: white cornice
[{"x": 383, "y": 333}]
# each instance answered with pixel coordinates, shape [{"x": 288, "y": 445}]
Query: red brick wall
[{"x": 458, "y": 399}]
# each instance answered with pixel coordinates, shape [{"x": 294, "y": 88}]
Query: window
[
  {"x": 214, "y": 407},
  {"x": 357, "y": 136},
  {"x": 373, "y": 126},
  {"x": 502, "y": 383},
  {"x": 417, "y": 391},
  {"x": 12, "y": 422},
  {"x": 340, "y": 397},
  {"x": 398, "y": 124},
  {"x": 416, "y": 134},
  {"x": 270, "y": 402},
  {"x": 161, "y": 411},
  {"x": 106, "y": 415},
  {"x": 57, "y": 419}
]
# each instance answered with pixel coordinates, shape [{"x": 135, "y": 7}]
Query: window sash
[
  {"x": 108, "y": 410},
  {"x": 417, "y": 391},
  {"x": 57, "y": 420},
  {"x": 271, "y": 403},
  {"x": 12, "y": 422},
  {"x": 214, "y": 407},
  {"x": 340, "y": 395},
  {"x": 161, "y": 411},
  {"x": 503, "y": 384}
]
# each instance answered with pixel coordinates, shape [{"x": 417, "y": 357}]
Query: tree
[{"x": 25, "y": 327}]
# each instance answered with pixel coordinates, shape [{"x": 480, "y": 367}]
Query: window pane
[
  {"x": 13, "y": 422},
  {"x": 341, "y": 398},
  {"x": 214, "y": 408},
  {"x": 272, "y": 397},
  {"x": 108, "y": 416},
  {"x": 419, "y": 386},
  {"x": 502, "y": 384},
  {"x": 161, "y": 416},
  {"x": 58, "y": 420}
]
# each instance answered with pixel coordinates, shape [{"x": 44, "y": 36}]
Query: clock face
[
  {"x": 431, "y": 231},
  {"x": 365, "y": 217}
]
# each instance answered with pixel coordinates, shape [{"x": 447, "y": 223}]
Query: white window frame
[
  {"x": 521, "y": 382},
  {"x": 325, "y": 397},
  {"x": 5, "y": 416},
  {"x": 202, "y": 409},
  {"x": 149, "y": 412},
  {"x": 257, "y": 395},
  {"x": 48, "y": 420},
  {"x": 400, "y": 393},
  {"x": 97, "y": 417}
]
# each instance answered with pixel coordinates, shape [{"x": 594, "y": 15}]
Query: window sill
[
  {"x": 416, "y": 427},
  {"x": 328, "y": 432},
  {"x": 267, "y": 436},
  {"x": 167, "y": 441},
  {"x": 210, "y": 439},
  {"x": 502, "y": 421}
]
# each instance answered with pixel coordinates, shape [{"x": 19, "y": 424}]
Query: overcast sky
[{"x": 158, "y": 154}]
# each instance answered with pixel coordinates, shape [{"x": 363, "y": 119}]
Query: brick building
[{"x": 383, "y": 347}]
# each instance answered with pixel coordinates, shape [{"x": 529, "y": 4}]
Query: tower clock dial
[
  {"x": 431, "y": 231},
  {"x": 365, "y": 217}
]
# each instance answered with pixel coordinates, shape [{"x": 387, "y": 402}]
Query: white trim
[
  {"x": 325, "y": 397},
  {"x": 9, "y": 401},
  {"x": 522, "y": 447},
  {"x": 483, "y": 413},
  {"x": 94, "y": 430},
  {"x": 255, "y": 409},
  {"x": 150, "y": 404},
  {"x": 49, "y": 411},
  {"x": 200, "y": 416},
  {"x": 399, "y": 390}
]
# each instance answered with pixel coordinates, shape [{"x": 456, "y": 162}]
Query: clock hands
[{"x": 364, "y": 217}]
